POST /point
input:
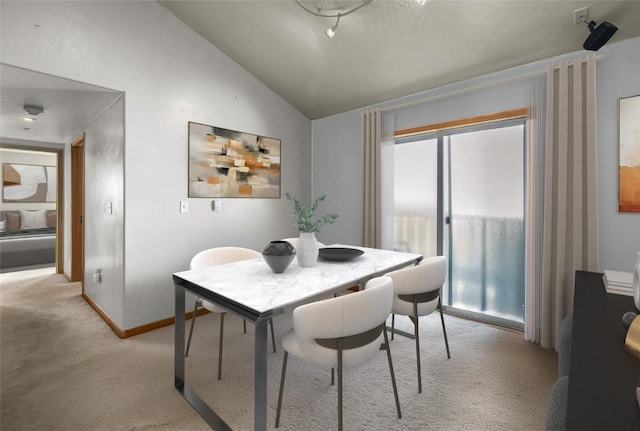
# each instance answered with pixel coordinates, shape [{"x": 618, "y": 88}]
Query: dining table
[{"x": 251, "y": 290}]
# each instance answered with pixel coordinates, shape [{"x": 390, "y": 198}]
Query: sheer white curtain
[
  {"x": 534, "y": 204},
  {"x": 569, "y": 241},
  {"x": 377, "y": 140}
]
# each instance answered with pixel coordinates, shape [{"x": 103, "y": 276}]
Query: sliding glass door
[
  {"x": 460, "y": 193},
  {"x": 486, "y": 222}
]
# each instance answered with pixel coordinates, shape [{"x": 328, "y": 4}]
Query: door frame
[
  {"x": 59, "y": 210},
  {"x": 439, "y": 132},
  {"x": 77, "y": 210},
  {"x": 495, "y": 124}
]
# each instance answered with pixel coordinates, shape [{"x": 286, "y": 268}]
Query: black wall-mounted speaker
[{"x": 599, "y": 35}]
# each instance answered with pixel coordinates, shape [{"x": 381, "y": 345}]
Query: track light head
[
  {"x": 331, "y": 31},
  {"x": 333, "y": 13}
]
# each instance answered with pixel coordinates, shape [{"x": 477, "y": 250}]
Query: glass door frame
[{"x": 442, "y": 219}]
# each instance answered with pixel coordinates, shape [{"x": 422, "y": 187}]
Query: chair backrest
[
  {"x": 294, "y": 242},
  {"x": 222, "y": 255},
  {"x": 361, "y": 313},
  {"x": 423, "y": 280}
]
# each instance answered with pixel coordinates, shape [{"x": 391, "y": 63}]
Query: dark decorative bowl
[
  {"x": 278, "y": 255},
  {"x": 339, "y": 253}
]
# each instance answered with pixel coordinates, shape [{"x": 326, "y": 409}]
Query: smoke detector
[{"x": 33, "y": 109}]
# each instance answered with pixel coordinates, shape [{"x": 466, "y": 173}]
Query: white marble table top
[{"x": 252, "y": 284}]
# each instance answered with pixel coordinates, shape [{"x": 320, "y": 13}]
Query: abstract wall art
[
  {"x": 229, "y": 164},
  {"x": 28, "y": 183},
  {"x": 629, "y": 164}
]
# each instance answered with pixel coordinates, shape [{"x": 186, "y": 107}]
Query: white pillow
[{"x": 33, "y": 219}]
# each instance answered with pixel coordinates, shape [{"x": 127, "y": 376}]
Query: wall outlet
[
  {"x": 97, "y": 276},
  {"x": 184, "y": 206}
]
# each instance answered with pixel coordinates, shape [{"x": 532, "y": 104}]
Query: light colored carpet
[{"x": 62, "y": 368}]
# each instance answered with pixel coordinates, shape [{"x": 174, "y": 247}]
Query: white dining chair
[
  {"x": 416, "y": 292},
  {"x": 220, "y": 256},
  {"x": 346, "y": 331}
]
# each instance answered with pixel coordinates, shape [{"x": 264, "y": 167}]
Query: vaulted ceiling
[{"x": 390, "y": 48}]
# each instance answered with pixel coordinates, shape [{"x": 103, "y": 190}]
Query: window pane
[
  {"x": 487, "y": 222},
  {"x": 415, "y": 197}
]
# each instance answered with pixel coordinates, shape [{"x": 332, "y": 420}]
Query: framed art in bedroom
[
  {"x": 229, "y": 164},
  {"x": 629, "y": 150},
  {"x": 28, "y": 183}
]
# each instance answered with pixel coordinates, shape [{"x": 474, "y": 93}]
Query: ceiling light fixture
[
  {"x": 28, "y": 119},
  {"x": 599, "y": 35},
  {"x": 333, "y": 13},
  {"x": 33, "y": 109}
]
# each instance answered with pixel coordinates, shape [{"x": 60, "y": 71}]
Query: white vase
[
  {"x": 307, "y": 249},
  {"x": 636, "y": 282}
]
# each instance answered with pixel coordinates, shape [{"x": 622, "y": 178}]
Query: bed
[{"x": 28, "y": 239}]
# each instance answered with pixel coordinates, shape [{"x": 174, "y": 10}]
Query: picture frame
[
  {"x": 629, "y": 154},
  {"x": 225, "y": 163},
  {"x": 26, "y": 183}
]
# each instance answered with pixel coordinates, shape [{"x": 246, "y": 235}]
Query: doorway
[
  {"x": 30, "y": 229},
  {"x": 459, "y": 192}
]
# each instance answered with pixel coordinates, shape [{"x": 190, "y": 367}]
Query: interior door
[{"x": 77, "y": 210}]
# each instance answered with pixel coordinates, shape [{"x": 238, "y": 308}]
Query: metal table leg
[
  {"x": 214, "y": 421},
  {"x": 260, "y": 378}
]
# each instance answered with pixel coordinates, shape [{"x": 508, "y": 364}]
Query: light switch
[
  {"x": 217, "y": 206},
  {"x": 184, "y": 206}
]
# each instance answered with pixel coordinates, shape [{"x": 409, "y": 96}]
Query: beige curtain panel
[
  {"x": 570, "y": 236},
  {"x": 372, "y": 205}
]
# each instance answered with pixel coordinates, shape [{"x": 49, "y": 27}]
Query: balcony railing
[{"x": 486, "y": 256}]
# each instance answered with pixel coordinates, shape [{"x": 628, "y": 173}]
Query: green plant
[{"x": 304, "y": 215}]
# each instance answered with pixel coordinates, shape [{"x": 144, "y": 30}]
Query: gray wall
[
  {"x": 170, "y": 76},
  {"x": 104, "y": 229},
  {"x": 337, "y": 153},
  {"x": 617, "y": 75},
  {"x": 337, "y": 173}
]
